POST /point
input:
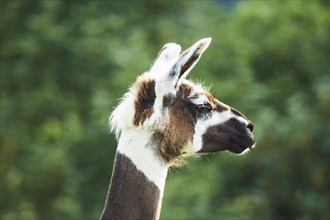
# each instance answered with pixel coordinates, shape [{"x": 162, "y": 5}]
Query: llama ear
[
  {"x": 188, "y": 60},
  {"x": 165, "y": 58}
]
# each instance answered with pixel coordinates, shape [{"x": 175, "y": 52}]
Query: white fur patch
[
  {"x": 136, "y": 145},
  {"x": 200, "y": 100},
  {"x": 166, "y": 58},
  {"x": 122, "y": 116}
]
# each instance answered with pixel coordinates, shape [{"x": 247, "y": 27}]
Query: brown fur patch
[
  {"x": 180, "y": 129},
  {"x": 130, "y": 195},
  {"x": 184, "y": 90},
  {"x": 210, "y": 97},
  {"x": 188, "y": 64},
  {"x": 144, "y": 101},
  {"x": 220, "y": 107}
]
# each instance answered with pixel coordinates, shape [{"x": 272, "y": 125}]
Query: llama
[{"x": 162, "y": 118}]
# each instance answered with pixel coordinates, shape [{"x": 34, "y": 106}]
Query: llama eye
[{"x": 204, "y": 108}]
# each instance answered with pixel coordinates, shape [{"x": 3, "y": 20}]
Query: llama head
[{"x": 183, "y": 117}]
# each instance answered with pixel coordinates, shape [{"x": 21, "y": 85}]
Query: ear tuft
[
  {"x": 188, "y": 59},
  {"x": 201, "y": 47}
]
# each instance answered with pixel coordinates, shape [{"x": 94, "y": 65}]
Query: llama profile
[{"x": 162, "y": 118}]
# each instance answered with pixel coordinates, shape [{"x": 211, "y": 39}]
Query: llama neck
[{"x": 138, "y": 178}]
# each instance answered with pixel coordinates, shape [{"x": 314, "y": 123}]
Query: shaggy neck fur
[{"x": 138, "y": 178}]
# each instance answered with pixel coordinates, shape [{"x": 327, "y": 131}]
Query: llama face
[
  {"x": 199, "y": 123},
  {"x": 183, "y": 117}
]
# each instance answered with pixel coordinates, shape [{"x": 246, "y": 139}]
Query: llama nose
[{"x": 250, "y": 126}]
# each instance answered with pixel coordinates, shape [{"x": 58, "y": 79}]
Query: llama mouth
[
  {"x": 238, "y": 149},
  {"x": 232, "y": 141},
  {"x": 245, "y": 144},
  {"x": 232, "y": 135},
  {"x": 242, "y": 144}
]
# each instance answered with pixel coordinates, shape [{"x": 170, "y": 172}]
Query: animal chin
[
  {"x": 237, "y": 149},
  {"x": 233, "y": 147},
  {"x": 242, "y": 146}
]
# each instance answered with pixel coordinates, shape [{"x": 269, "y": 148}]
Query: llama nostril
[{"x": 250, "y": 127}]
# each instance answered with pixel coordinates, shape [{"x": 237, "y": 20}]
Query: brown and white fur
[{"x": 162, "y": 118}]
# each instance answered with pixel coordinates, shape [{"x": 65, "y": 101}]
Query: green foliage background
[{"x": 64, "y": 64}]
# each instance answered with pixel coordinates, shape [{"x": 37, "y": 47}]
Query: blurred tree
[{"x": 64, "y": 64}]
